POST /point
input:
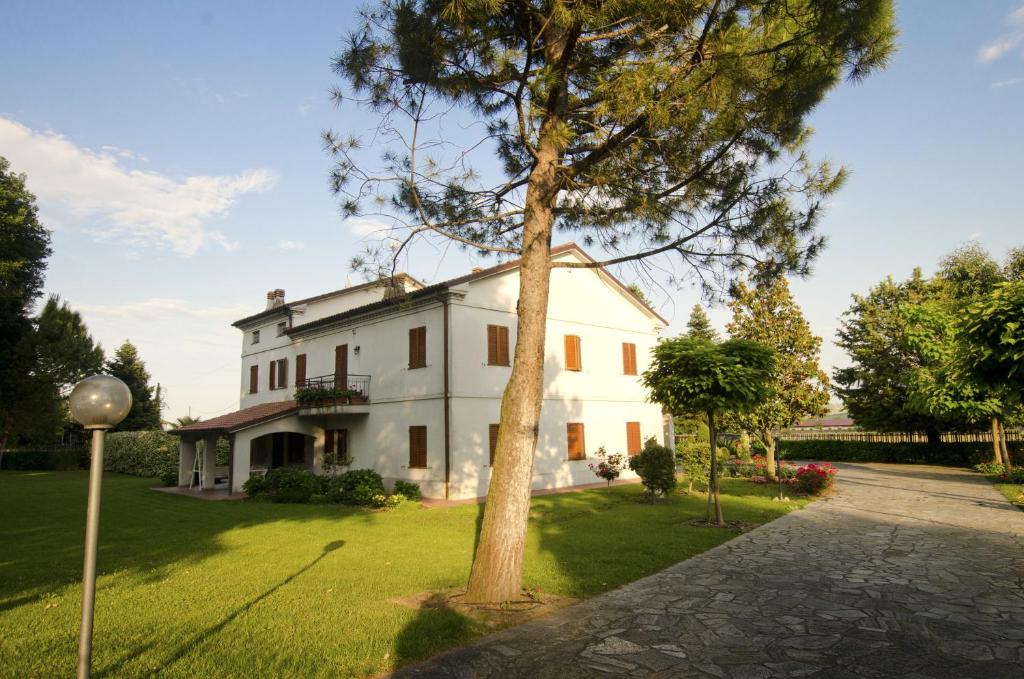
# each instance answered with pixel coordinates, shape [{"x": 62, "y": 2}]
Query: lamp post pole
[
  {"x": 92, "y": 529},
  {"x": 97, "y": 403}
]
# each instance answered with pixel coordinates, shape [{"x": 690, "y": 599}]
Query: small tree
[
  {"x": 656, "y": 467},
  {"x": 129, "y": 368},
  {"x": 610, "y": 466},
  {"x": 691, "y": 374},
  {"x": 768, "y": 314},
  {"x": 699, "y": 326}
]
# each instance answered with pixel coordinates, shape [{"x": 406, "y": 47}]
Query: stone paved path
[{"x": 906, "y": 571}]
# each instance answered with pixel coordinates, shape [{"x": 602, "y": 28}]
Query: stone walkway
[{"x": 906, "y": 571}]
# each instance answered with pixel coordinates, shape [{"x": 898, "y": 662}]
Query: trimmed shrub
[
  {"x": 255, "y": 486},
  {"x": 55, "y": 459},
  {"x": 962, "y": 454},
  {"x": 696, "y": 461},
  {"x": 142, "y": 453},
  {"x": 289, "y": 484},
  {"x": 355, "y": 487},
  {"x": 656, "y": 467},
  {"x": 408, "y": 489}
]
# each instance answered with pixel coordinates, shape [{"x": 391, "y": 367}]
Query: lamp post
[{"x": 97, "y": 403}]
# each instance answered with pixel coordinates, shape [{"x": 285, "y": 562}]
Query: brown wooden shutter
[
  {"x": 573, "y": 357},
  {"x": 341, "y": 366},
  {"x": 492, "y": 441},
  {"x": 503, "y": 345},
  {"x": 254, "y": 379},
  {"x": 282, "y": 373},
  {"x": 417, "y": 446},
  {"x": 633, "y": 444},
  {"x": 576, "y": 444},
  {"x": 497, "y": 345},
  {"x": 418, "y": 347},
  {"x": 273, "y": 375},
  {"x": 329, "y": 441},
  {"x": 342, "y": 444},
  {"x": 628, "y": 358},
  {"x": 300, "y": 370}
]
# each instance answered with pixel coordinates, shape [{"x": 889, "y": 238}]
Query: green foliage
[
  {"x": 311, "y": 396},
  {"x": 130, "y": 369},
  {"x": 1014, "y": 476},
  {"x": 690, "y": 375},
  {"x": 963, "y": 454},
  {"x": 768, "y": 314},
  {"x": 285, "y": 484},
  {"x": 60, "y": 459},
  {"x": 992, "y": 468},
  {"x": 656, "y": 467},
  {"x": 610, "y": 466},
  {"x": 815, "y": 479},
  {"x": 695, "y": 457},
  {"x": 994, "y": 338},
  {"x": 699, "y": 325},
  {"x": 142, "y": 453},
  {"x": 67, "y": 352},
  {"x": 408, "y": 489},
  {"x": 355, "y": 487}
]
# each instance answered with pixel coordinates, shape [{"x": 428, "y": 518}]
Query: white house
[{"x": 421, "y": 371}]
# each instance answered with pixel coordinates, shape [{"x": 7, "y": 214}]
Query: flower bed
[{"x": 815, "y": 479}]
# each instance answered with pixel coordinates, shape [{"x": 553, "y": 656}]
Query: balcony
[{"x": 324, "y": 395}]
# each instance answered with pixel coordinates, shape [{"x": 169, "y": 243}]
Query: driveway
[{"x": 905, "y": 571}]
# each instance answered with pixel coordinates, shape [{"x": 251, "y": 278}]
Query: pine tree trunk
[
  {"x": 997, "y": 448},
  {"x": 496, "y": 575},
  {"x": 713, "y": 482},
  {"x": 769, "y": 443}
]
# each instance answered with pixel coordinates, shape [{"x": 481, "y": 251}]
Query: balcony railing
[{"x": 326, "y": 391}]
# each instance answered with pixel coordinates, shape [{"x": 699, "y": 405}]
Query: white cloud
[
  {"x": 111, "y": 200},
  {"x": 1007, "y": 42},
  {"x": 291, "y": 245},
  {"x": 162, "y": 309},
  {"x": 1009, "y": 82},
  {"x": 363, "y": 226}
]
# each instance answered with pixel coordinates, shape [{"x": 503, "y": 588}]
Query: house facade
[{"x": 407, "y": 379}]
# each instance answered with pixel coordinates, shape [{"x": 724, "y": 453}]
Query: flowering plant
[
  {"x": 610, "y": 466},
  {"x": 814, "y": 479}
]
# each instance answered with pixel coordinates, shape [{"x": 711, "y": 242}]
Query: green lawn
[
  {"x": 1014, "y": 492},
  {"x": 241, "y": 589}
]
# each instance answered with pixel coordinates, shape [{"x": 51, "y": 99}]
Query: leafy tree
[
  {"x": 693, "y": 374},
  {"x": 24, "y": 248},
  {"x": 699, "y": 325},
  {"x": 67, "y": 352},
  {"x": 994, "y": 347},
  {"x": 130, "y": 369},
  {"x": 768, "y": 314},
  {"x": 650, "y": 128}
]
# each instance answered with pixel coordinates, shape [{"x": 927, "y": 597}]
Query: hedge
[
  {"x": 143, "y": 453},
  {"x": 961, "y": 454},
  {"x": 53, "y": 459}
]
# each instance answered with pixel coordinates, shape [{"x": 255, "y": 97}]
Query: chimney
[{"x": 275, "y": 298}]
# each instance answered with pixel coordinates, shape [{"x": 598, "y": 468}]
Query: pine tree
[
  {"x": 768, "y": 314},
  {"x": 652, "y": 129},
  {"x": 699, "y": 326},
  {"x": 129, "y": 368}
]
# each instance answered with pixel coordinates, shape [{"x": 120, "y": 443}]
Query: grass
[
  {"x": 239, "y": 589},
  {"x": 1014, "y": 492}
]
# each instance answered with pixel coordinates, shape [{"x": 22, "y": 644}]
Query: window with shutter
[
  {"x": 629, "y": 358},
  {"x": 254, "y": 379},
  {"x": 418, "y": 446},
  {"x": 492, "y": 441},
  {"x": 300, "y": 370},
  {"x": 336, "y": 443},
  {"x": 418, "y": 347},
  {"x": 273, "y": 374},
  {"x": 575, "y": 441},
  {"x": 329, "y": 437},
  {"x": 633, "y": 443},
  {"x": 573, "y": 357},
  {"x": 497, "y": 345},
  {"x": 341, "y": 366},
  {"x": 282, "y": 373}
]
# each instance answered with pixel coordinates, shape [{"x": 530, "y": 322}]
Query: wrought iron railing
[{"x": 325, "y": 390}]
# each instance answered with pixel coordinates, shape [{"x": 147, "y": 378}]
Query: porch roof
[{"x": 240, "y": 419}]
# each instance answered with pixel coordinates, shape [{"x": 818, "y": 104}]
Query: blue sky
[{"x": 175, "y": 152}]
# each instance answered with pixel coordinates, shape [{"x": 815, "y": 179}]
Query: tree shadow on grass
[
  {"x": 206, "y": 635},
  {"x": 436, "y": 626}
]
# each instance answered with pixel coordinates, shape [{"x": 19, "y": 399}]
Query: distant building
[{"x": 840, "y": 422}]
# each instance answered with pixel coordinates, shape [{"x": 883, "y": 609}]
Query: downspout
[{"x": 447, "y": 403}]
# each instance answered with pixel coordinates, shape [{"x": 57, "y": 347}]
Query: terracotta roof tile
[{"x": 240, "y": 419}]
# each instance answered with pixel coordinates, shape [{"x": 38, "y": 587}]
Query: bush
[
  {"x": 143, "y": 453},
  {"x": 610, "y": 466},
  {"x": 408, "y": 489},
  {"x": 381, "y": 501},
  {"x": 814, "y": 479},
  {"x": 758, "y": 448},
  {"x": 962, "y": 454},
  {"x": 1016, "y": 476},
  {"x": 356, "y": 487},
  {"x": 696, "y": 461},
  {"x": 55, "y": 459},
  {"x": 656, "y": 467},
  {"x": 285, "y": 484},
  {"x": 993, "y": 468}
]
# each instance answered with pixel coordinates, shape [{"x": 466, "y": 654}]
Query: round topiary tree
[{"x": 689, "y": 374}]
